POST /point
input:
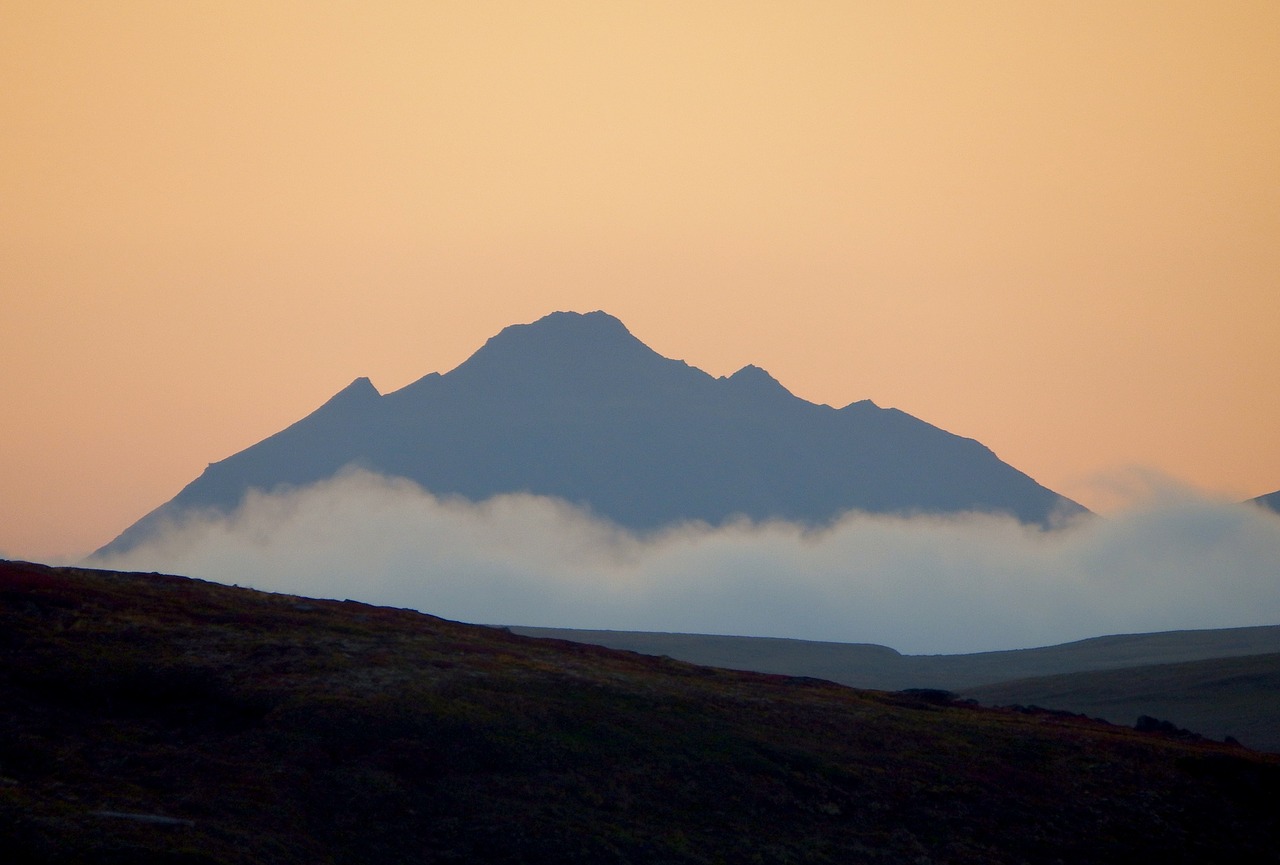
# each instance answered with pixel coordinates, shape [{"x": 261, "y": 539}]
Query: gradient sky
[{"x": 1053, "y": 227}]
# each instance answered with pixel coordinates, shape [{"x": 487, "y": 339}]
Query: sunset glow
[{"x": 1050, "y": 227}]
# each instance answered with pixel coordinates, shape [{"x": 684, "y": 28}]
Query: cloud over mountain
[{"x": 922, "y": 584}]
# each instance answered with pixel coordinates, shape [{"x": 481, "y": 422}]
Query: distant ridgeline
[
  {"x": 573, "y": 406},
  {"x": 1270, "y": 500}
]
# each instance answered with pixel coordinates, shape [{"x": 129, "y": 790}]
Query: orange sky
[{"x": 1053, "y": 227}]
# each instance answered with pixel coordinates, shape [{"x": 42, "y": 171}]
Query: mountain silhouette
[
  {"x": 1270, "y": 500},
  {"x": 573, "y": 406}
]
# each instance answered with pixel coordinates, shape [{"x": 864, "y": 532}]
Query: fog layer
[{"x": 921, "y": 584}]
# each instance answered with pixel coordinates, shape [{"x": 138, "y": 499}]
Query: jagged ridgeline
[{"x": 573, "y": 406}]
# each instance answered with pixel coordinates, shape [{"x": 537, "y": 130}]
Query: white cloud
[
  {"x": 919, "y": 584},
  {"x": 1131, "y": 486}
]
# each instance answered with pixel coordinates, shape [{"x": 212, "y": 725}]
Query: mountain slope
[
  {"x": 1270, "y": 500},
  {"x": 573, "y": 406},
  {"x": 160, "y": 719}
]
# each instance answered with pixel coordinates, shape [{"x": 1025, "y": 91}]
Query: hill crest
[{"x": 161, "y": 719}]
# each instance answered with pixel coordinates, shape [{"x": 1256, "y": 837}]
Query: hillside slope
[
  {"x": 1216, "y": 682},
  {"x": 149, "y": 718},
  {"x": 864, "y": 665},
  {"x": 1238, "y": 697}
]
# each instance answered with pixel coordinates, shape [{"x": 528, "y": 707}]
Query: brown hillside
[
  {"x": 865, "y": 665},
  {"x": 151, "y": 718},
  {"x": 1238, "y": 697}
]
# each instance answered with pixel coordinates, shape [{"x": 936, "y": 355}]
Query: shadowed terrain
[
  {"x": 1238, "y": 697},
  {"x": 1217, "y": 682},
  {"x": 151, "y": 718},
  {"x": 865, "y": 665}
]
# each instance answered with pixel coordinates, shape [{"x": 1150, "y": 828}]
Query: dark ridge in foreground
[{"x": 151, "y": 718}]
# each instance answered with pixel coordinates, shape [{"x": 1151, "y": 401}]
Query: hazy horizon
[{"x": 921, "y": 585}]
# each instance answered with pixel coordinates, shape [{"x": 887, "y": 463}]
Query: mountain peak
[
  {"x": 597, "y": 328},
  {"x": 359, "y": 391},
  {"x": 569, "y": 346},
  {"x": 757, "y": 380},
  {"x": 597, "y": 319}
]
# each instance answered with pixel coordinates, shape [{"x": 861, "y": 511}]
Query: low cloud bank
[{"x": 919, "y": 584}]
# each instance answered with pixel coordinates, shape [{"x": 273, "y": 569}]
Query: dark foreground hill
[
  {"x": 575, "y": 407},
  {"x": 147, "y": 718}
]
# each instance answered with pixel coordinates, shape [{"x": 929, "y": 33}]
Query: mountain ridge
[
  {"x": 575, "y": 407},
  {"x": 1269, "y": 500}
]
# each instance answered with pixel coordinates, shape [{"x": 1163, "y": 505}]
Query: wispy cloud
[{"x": 918, "y": 584}]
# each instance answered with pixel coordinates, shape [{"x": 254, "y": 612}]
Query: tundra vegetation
[{"x": 151, "y": 718}]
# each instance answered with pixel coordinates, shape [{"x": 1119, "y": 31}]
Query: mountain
[
  {"x": 1270, "y": 500},
  {"x": 573, "y": 406},
  {"x": 152, "y": 718}
]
